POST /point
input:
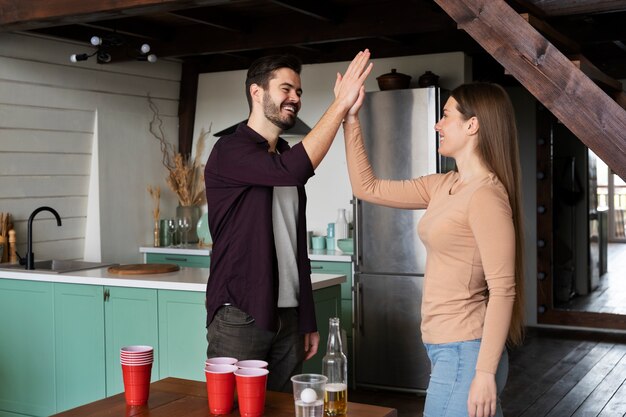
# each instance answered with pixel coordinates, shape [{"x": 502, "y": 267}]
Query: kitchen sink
[{"x": 57, "y": 266}]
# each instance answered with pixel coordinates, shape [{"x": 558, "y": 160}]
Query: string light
[{"x": 105, "y": 43}]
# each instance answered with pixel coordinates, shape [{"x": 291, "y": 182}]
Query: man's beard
[{"x": 272, "y": 113}]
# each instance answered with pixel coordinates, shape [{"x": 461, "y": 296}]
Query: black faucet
[{"x": 30, "y": 256}]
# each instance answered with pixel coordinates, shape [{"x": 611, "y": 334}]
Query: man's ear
[{"x": 256, "y": 92}]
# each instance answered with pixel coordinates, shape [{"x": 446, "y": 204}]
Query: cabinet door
[
  {"x": 130, "y": 317},
  {"x": 79, "y": 344},
  {"x": 327, "y": 305},
  {"x": 192, "y": 261},
  {"x": 182, "y": 334},
  {"x": 27, "y": 348}
]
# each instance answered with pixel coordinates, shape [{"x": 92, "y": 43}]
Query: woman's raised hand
[{"x": 349, "y": 87}]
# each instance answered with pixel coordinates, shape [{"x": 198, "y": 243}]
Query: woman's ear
[{"x": 472, "y": 125}]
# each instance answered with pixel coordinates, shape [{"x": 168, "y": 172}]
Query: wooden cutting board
[{"x": 143, "y": 269}]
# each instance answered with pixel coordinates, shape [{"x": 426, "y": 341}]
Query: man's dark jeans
[{"x": 234, "y": 333}]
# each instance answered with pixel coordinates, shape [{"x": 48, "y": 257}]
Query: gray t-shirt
[{"x": 284, "y": 218}]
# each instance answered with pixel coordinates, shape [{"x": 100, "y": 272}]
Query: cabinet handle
[
  {"x": 107, "y": 294},
  {"x": 174, "y": 258},
  {"x": 317, "y": 267},
  {"x": 359, "y": 309}
]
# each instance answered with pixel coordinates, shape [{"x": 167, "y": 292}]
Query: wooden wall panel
[
  {"x": 52, "y": 112},
  {"x": 31, "y": 140}
]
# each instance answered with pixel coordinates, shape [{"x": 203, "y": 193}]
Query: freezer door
[{"x": 389, "y": 350}]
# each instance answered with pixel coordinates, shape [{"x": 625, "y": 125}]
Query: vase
[
  {"x": 193, "y": 213},
  {"x": 157, "y": 237}
]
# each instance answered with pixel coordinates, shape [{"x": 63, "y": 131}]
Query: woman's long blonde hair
[{"x": 498, "y": 148}]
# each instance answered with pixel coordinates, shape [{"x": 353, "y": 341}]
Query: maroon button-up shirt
[{"x": 240, "y": 175}]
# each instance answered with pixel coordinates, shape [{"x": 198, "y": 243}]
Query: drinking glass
[
  {"x": 184, "y": 224},
  {"x": 172, "y": 225}
]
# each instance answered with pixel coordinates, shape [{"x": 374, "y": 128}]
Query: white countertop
[
  {"x": 314, "y": 254},
  {"x": 190, "y": 250},
  {"x": 329, "y": 255},
  {"x": 186, "y": 279}
]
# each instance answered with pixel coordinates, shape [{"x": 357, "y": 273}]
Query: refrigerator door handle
[
  {"x": 359, "y": 307},
  {"x": 357, "y": 226}
]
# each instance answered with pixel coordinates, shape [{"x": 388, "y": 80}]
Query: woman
[{"x": 472, "y": 303}]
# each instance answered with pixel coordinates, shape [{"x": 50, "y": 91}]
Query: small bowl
[{"x": 345, "y": 245}]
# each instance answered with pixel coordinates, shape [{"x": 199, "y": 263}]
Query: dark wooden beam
[
  {"x": 316, "y": 9},
  {"x": 558, "y": 39},
  {"x": 32, "y": 14},
  {"x": 568, "y": 7},
  {"x": 366, "y": 21},
  {"x": 187, "y": 107},
  {"x": 596, "y": 119},
  {"x": 208, "y": 17},
  {"x": 600, "y": 78}
]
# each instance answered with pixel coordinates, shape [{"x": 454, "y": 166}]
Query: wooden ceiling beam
[
  {"x": 570, "y": 7},
  {"x": 207, "y": 17},
  {"x": 315, "y": 9},
  {"x": 33, "y": 14},
  {"x": 366, "y": 21},
  {"x": 595, "y": 118}
]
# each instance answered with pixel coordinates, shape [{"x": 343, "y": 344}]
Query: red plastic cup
[
  {"x": 251, "y": 385},
  {"x": 136, "y": 350},
  {"x": 251, "y": 363},
  {"x": 220, "y": 387},
  {"x": 136, "y": 383},
  {"x": 221, "y": 360}
]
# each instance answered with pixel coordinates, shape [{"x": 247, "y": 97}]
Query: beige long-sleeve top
[{"x": 469, "y": 284}]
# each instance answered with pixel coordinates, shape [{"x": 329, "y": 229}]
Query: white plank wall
[
  {"x": 51, "y": 166},
  {"x": 55, "y": 116}
]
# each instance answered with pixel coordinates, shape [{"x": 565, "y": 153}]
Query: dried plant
[
  {"x": 155, "y": 193},
  {"x": 185, "y": 175}
]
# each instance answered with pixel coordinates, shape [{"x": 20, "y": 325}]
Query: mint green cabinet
[
  {"x": 193, "y": 261},
  {"x": 327, "y": 304},
  {"x": 92, "y": 323},
  {"x": 27, "y": 366},
  {"x": 130, "y": 318},
  {"x": 182, "y": 334},
  {"x": 79, "y": 344},
  {"x": 341, "y": 268}
]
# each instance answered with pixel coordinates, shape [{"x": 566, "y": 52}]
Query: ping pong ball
[{"x": 308, "y": 395}]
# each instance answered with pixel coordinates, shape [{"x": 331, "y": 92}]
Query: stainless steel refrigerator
[{"x": 398, "y": 131}]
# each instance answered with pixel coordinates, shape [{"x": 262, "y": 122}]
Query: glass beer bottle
[{"x": 335, "y": 368}]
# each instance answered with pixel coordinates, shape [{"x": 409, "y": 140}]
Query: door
[
  {"x": 130, "y": 316},
  {"x": 182, "y": 334},
  {"x": 389, "y": 347},
  {"x": 79, "y": 344}
]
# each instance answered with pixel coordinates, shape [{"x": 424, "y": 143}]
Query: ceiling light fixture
[{"x": 105, "y": 44}]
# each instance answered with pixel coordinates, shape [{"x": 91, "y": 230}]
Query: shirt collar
[{"x": 243, "y": 128}]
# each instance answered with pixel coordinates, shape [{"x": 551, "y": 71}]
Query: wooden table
[{"x": 173, "y": 397}]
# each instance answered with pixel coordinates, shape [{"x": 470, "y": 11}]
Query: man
[{"x": 259, "y": 295}]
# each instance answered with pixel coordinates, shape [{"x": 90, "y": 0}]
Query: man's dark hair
[{"x": 262, "y": 71}]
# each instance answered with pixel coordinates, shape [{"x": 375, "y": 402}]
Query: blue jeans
[
  {"x": 452, "y": 370},
  {"x": 234, "y": 333}
]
